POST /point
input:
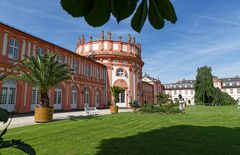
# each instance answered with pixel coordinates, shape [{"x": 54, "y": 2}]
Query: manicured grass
[{"x": 201, "y": 130}]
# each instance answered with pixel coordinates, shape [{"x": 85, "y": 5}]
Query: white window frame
[
  {"x": 120, "y": 72},
  {"x": 97, "y": 97},
  {"x": 40, "y": 51},
  {"x": 8, "y": 85},
  {"x": 35, "y": 98},
  {"x": 13, "y": 49},
  {"x": 58, "y": 96},
  {"x": 74, "y": 96},
  {"x": 86, "y": 96},
  {"x": 75, "y": 66}
]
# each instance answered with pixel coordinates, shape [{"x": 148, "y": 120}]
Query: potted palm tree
[
  {"x": 115, "y": 92},
  {"x": 43, "y": 72}
]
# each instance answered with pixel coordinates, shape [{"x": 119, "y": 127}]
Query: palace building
[
  {"x": 184, "y": 87},
  {"x": 97, "y": 65}
]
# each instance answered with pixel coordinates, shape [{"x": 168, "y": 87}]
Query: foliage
[
  {"x": 115, "y": 92},
  {"x": 167, "y": 108},
  {"x": 98, "y": 12},
  {"x": 206, "y": 93},
  {"x": 203, "y": 86},
  {"x": 222, "y": 98},
  {"x": 134, "y": 103},
  {"x": 163, "y": 98},
  {"x": 43, "y": 72}
]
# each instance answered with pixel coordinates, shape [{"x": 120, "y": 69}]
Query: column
[{"x": 5, "y": 40}]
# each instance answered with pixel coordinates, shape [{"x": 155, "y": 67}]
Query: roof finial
[
  {"x": 109, "y": 35},
  {"x": 83, "y": 39},
  {"x": 78, "y": 41},
  {"x": 129, "y": 38},
  {"x": 133, "y": 40},
  {"x": 90, "y": 39},
  {"x": 102, "y": 35}
]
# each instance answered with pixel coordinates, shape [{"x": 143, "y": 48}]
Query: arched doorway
[
  {"x": 74, "y": 97},
  {"x": 35, "y": 98},
  {"x": 122, "y": 98},
  {"x": 97, "y": 98},
  {"x": 58, "y": 98},
  {"x": 86, "y": 97},
  {"x": 8, "y": 95}
]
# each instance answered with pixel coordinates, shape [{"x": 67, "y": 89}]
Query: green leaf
[
  {"x": 140, "y": 16},
  {"x": 121, "y": 9},
  {"x": 100, "y": 13},
  {"x": 3, "y": 115},
  {"x": 154, "y": 15},
  {"x": 77, "y": 8},
  {"x": 167, "y": 10}
]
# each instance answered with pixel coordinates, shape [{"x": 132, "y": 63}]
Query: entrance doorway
[{"x": 121, "y": 99}]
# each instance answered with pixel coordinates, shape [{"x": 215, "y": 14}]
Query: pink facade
[
  {"x": 97, "y": 66},
  {"x": 86, "y": 88},
  {"x": 123, "y": 62}
]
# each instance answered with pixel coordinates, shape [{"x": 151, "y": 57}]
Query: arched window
[
  {"x": 13, "y": 49},
  {"x": 8, "y": 95},
  {"x": 58, "y": 95},
  {"x": 35, "y": 95},
  {"x": 119, "y": 72},
  {"x": 74, "y": 95},
  {"x": 86, "y": 97},
  {"x": 97, "y": 98}
]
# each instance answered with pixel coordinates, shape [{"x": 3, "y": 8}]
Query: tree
[
  {"x": 43, "y": 72},
  {"x": 115, "y": 92},
  {"x": 222, "y": 98},
  {"x": 98, "y": 12},
  {"x": 203, "y": 86},
  {"x": 163, "y": 98}
]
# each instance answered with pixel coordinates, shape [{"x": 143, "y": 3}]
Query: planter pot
[
  {"x": 135, "y": 109},
  {"x": 43, "y": 114},
  {"x": 114, "y": 109}
]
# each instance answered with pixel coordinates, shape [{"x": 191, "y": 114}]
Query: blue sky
[{"x": 207, "y": 33}]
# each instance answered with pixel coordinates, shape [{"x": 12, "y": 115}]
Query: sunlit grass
[{"x": 201, "y": 130}]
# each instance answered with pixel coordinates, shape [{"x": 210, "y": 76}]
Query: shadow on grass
[{"x": 182, "y": 139}]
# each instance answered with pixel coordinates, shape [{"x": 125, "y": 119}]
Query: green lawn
[{"x": 201, "y": 130}]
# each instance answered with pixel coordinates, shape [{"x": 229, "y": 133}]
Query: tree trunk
[{"x": 44, "y": 99}]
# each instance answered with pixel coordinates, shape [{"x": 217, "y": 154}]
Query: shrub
[{"x": 134, "y": 103}]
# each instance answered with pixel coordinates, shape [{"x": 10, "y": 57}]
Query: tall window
[
  {"x": 58, "y": 95},
  {"x": 231, "y": 91},
  {"x": 40, "y": 51},
  {"x": 121, "y": 97},
  {"x": 13, "y": 49},
  {"x": 119, "y": 72},
  {"x": 88, "y": 70},
  {"x": 98, "y": 73},
  {"x": 35, "y": 95},
  {"x": 8, "y": 95},
  {"x": 60, "y": 58},
  {"x": 97, "y": 97},
  {"x": 74, "y": 95},
  {"x": 238, "y": 90},
  {"x": 186, "y": 92},
  {"x": 75, "y": 66},
  {"x": 86, "y": 95}
]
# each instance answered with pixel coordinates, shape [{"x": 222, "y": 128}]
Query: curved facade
[
  {"x": 97, "y": 65},
  {"x": 123, "y": 61}
]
